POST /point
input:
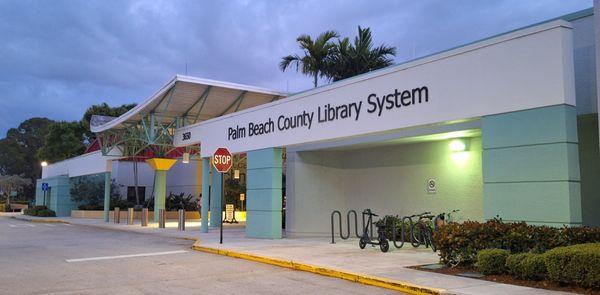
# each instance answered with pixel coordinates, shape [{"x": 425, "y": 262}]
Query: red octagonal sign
[{"x": 222, "y": 160}]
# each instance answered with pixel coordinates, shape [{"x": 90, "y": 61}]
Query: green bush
[
  {"x": 513, "y": 264},
  {"x": 492, "y": 261},
  {"x": 578, "y": 264},
  {"x": 41, "y": 211},
  {"x": 462, "y": 241},
  {"x": 533, "y": 267}
]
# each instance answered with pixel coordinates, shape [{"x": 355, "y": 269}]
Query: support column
[
  {"x": 160, "y": 166},
  {"x": 215, "y": 198},
  {"x": 264, "y": 193},
  {"x": 107, "y": 183},
  {"x": 205, "y": 193},
  {"x": 531, "y": 166}
]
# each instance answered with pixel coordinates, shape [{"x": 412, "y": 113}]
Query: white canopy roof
[{"x": 194, "y": 99}]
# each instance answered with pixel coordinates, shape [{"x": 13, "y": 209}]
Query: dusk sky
[{"x": 59, "y": 57}]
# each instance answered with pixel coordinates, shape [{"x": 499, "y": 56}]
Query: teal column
[
  {"x": 205, "y": 193},
  {"x": 215, "y": 198},
  {"x": 160, "y": 191},
  {"x": 264, "y": 193},
  {"x": 531, "y": 166},
  {"x": 106, "y": 196}
]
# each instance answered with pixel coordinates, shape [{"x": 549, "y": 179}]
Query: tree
[
  {"x": 351, "y": 59},
  {"x": 102, "y": 109},
  {"x": 316, "y": 53},
  {"x": 64, "y": 140},
  {"x": 18, "y": 151},
  {"x": 12, "y": 183}
]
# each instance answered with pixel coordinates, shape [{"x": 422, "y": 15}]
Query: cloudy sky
[{"x": 59, "y": 57}]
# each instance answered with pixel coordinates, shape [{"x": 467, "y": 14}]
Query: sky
[{"x": 57, "y": 58}]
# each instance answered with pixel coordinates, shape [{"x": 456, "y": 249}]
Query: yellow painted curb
[{"x": 335, "y": 273}]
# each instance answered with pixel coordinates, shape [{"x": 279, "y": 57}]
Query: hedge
[
  {"x": 463, "y": 240},
  {"x": 492, "y": 261},
  {"x": 41, "y": 211},
  {"x": 578, "y": 264}
]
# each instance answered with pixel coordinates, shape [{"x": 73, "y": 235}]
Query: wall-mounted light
[
  {"x": 459, "y": 145},
  {"x": 236, "y": 174},
  {"x": 242, "y": 197},
  {"x": 44, "y": 163},
  {"x": 186, "y": 158}
]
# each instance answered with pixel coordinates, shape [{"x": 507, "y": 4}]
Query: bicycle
[
  {"x": 444, "y": 218},
  {"x": 422, "y": 232},
  {"x": 411, "y": 227}
]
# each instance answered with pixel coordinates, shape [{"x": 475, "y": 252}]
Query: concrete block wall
[{"x": 531, "y": 166}]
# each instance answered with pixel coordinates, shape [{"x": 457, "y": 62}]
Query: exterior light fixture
[
  {"x": 242, "y": 197},
  {"x": 186, "y": 158},
  {"x": 44, "y": 163},
  {"x": 458, "y": 145},
  {"x": 236, "y": 174}
]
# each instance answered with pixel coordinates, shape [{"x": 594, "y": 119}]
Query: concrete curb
[
  {"x": 41, "y": 220},
  {"x": 330, "y": 272}
]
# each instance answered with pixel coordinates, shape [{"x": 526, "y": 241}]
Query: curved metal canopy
[{"x": 148, "y": 128}]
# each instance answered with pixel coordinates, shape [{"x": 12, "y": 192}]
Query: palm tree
[
  {"x": 348, "y": 60},
  {"x": 316, "y": 54}
]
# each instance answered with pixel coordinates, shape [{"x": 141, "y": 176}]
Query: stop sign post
[{"x": 222, "y": 161}]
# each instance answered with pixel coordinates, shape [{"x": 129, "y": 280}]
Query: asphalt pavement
[{"x": 58, "y": 258}]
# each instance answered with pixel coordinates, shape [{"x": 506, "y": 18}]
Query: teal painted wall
[
  {"x": 531, "y": 166},
  {"x": 589, "y": 163},
  {"x": 216, "y": 189},
  {"x": 59, "y": 198},
  {"x": 264, "y": 193}
]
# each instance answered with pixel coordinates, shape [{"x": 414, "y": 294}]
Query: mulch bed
[{"x": 507, "y": 279}]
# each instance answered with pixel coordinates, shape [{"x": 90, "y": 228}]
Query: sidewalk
[{"x": 344, "y": 256}]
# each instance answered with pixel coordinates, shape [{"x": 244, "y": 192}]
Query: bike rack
[{"x": 348, "y": 232}]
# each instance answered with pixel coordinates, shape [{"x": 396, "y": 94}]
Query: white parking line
[
  {"x": 47, "y": 224},
  {"x": 126, "y": 256}
]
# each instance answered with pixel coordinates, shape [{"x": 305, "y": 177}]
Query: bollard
[
  {"x": 161, "y": 218},
  {"x": 144, "y": 217},
  {"x": 181, "y": 224},
  {"x": 130, "y": 216},
  {"x": 117, "y": 215}
]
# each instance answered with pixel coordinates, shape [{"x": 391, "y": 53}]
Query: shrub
[
  {"x": 579, "y": 264},
  {"x": 463, "y": 240},
  {"x": 41, "y": 211},
  {"x": 492, "y": 261},
  {"x": 533, "y": 267},
  {"x": 513, "y": 264}
]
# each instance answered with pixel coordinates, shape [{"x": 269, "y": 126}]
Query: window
[{"x": 131, "y": 194}]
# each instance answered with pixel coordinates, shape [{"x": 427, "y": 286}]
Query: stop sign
[{"x": 222, "y": 160}]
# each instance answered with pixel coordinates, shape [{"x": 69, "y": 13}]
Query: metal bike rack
[
  {"x": 161, "y": 218},
  {"x": 348, "y": 232},
  {"x": 181, "y": 223},
  {"x": 130, "y": 216},
  {"x": 117, "y": 215},
  {"x": 144, "y": 217}
]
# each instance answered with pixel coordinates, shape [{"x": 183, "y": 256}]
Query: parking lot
[{"x": 59, "y": 258}]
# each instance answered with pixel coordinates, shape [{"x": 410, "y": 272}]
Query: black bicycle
[{"x": 422, "y": 232}]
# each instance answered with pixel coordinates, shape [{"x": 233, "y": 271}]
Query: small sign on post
[
  {"x": 222, "y": 161},
  {"x": 45, "y": 186}
]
